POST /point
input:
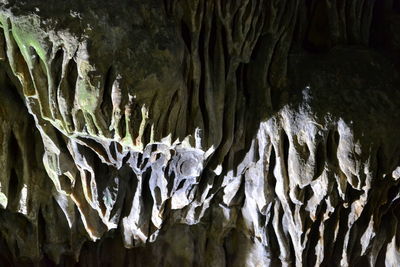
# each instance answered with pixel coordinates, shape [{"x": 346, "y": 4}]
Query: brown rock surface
[{"x": 199, "y": 133}]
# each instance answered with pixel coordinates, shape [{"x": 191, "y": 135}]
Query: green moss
[{"x": 27, "y": 38}]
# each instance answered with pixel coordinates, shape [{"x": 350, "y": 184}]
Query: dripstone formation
[{"x": 200, "y": 132}]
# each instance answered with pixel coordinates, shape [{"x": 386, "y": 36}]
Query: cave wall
[{"x": 199, "y": 133}]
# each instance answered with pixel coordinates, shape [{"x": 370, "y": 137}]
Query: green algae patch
[{"x": 27, "y": 35}]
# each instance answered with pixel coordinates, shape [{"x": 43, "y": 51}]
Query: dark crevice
[
  {"x": 396, "y": 6},
  {"x": 139, "y": 161},
  {"x": 106, "y": 106},
  {"x": 56, "y": 66},
  {"x": 305, "y": 151},
  {"x": 96, "y": 147},
  {"x": 147, "y": 199},
  {"x": 239, "y": 198},
  {"x": 332, "y": 142},
  {"x": 65, "y": 183},
  {"x": 168, "y": 7},
  {"x": 122, "y": 126},
  {"x": 167, "y": 129},
  {"x": 171, "y": 179},
  {"x": 238, "y": 147},
  {"x": 181, "y": 184},
  {"x": 226, "y": 55},
  {"x": 131, "y": 187},
  {"x": 285, "y": 149},
  {"x": 41, "y": 224},
  {"x": 381, "y": 162},
  {"x": 6, "y": 257},
  {"x": 126, "y": 158},
  {"x": 3, "y": 55},
  {"x": 343, "y": 228},
  {"x": 313, "y": 237},
  {"x": 202, "y": 89},
  {"x": 359, "y": 227},
  {"x": 134, "y": 125},
  {"x": 112, "y": 149},
  {"x": 318, "y": 32},
  {"x": 227, "y": 248},
  {"x": 381, "y": 258},
  {"x": 328, "y": 235},
  {"x": 104, "y": 177},
  {"x": 319, "y": 159},
  {"x": 157, "y": 195},
  {"x": 144, "y": 164},
  {"x": 308, "y": 193},
  {"x": 186, "y": 35},
  {"x": 72, "y": 77},
  {"x": 147, "y": 134},
  {"x": 212, "y": 40},
  {"x": 16, "y": 162},
  {"x": 271, "y": 165},
  {"x": 13, "y": 186},
  {"x": 79, "y": 121},
  {"x": 119, "y": 202},
  {"x": 292, "y": 254},
  {"x": 273, "y": 245},
  {"x": 61, "y": 140},
  {"x": 190, "y": 91},
  {"x": 336, "y": 137},
  {"x": 9, "y": 91},
  {"x": 352, "y": 194}
]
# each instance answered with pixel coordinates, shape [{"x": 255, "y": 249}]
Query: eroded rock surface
[{"x": 199, "y": 133}]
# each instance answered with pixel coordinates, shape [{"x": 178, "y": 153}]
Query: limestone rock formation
[{"x": 200, "y": 132}]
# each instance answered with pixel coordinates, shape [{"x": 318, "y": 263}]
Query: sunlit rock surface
[{"x": 199, "y": 133}]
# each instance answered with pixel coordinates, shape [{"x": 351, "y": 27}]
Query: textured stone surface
[{"x": 199, "y": 133}]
